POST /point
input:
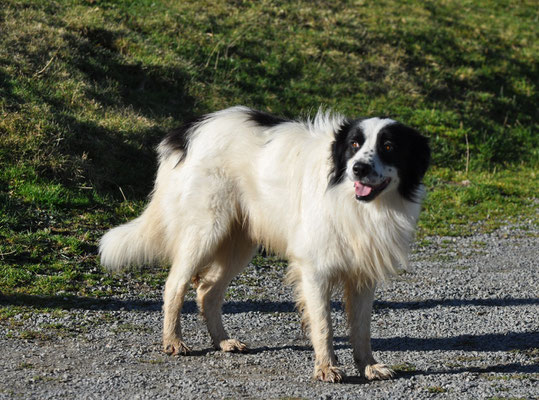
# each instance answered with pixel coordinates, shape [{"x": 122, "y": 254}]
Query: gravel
[{"x": 462, "y": 323}]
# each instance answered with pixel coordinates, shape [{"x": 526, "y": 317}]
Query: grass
[
  {"x": 506, "y": 398},
  {"x": 88, "y": 87},
  {"x": 25, "y": 365},
  {"x": 436, "y": 389},
  {"x": 404, "y": 367},
  {"x": 508, "y": 377},
  {"x": 460, "y": 203}
]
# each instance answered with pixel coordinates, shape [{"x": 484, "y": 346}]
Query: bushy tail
[{"x": 137, "y": 242}]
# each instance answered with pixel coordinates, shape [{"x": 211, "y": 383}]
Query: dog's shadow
[
  {"x": 490, "y": 342},
  {"x": 359, "y": 380},
  {"x": 497, "y": 368}
]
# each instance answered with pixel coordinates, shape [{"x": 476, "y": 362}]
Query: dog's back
[{"x": 243, "y": 167}]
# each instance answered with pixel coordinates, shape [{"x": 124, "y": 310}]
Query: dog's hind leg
[
  {"x": 204, "y": 223},
  {"x": 359, "y": 308},
  {"x": 231, "y": 258},
  {"x": 196, "y": 249},
  {"x": 175, "y": 289}
]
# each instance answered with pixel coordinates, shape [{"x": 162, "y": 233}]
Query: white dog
[{"x": 338, "y": 198}]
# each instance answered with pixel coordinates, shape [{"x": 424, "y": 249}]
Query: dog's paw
[
  {"x": 328, "y": 373},
  {"x": 378, "y": 371},
  {"x": 233, "y": 346},
  {"x": 176, "y": 347}
]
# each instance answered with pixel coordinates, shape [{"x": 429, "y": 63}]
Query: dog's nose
[{"x": 362, "y": 169}]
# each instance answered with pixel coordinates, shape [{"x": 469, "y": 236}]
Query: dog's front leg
[
  {"x": 359, "y": 308},
  {"x": 315, "y": 301}
]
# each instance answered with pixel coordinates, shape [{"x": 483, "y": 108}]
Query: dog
[{"x": 339, "y": 198}]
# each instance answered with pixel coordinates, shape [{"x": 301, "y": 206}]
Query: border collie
[{"x": 339, "y": 198}]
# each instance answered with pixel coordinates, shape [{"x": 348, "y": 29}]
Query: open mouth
[{"x": 367, "y": 192}]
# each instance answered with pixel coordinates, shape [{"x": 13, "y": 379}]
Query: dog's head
[{"x": 378, "y": 156}]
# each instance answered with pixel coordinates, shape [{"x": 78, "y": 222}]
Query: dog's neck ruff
[{"x": 377, "y": 234}]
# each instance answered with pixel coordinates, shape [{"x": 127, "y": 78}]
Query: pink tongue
[{"x": 362, "y": 190}]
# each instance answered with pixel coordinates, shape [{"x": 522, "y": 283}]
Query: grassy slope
[{"x": 87, "y": 88}]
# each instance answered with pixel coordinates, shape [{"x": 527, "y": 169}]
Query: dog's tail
[{"x": 137, "y": 242}]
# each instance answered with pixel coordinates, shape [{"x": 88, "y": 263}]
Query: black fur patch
[
  {"x": 178, "y": 139},
  {"x": 410, "y": 154},
  {"x": 264, "y": 119},
  {"x": 342, "y": 150}
]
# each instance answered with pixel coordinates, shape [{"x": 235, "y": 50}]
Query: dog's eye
[
  {"x": 355, "y": 145},
  {"x": 388, "y": 146}
]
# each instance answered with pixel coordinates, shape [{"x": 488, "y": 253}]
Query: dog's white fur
[{"x": 240, "y": 184}]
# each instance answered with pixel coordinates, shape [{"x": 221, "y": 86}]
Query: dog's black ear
[
  {"x": 421, "y": 152},
  {"x": 339, "y": 149},
  {"x": 417, "y": 164}
]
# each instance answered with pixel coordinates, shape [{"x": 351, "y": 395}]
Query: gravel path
[{"x": 462, "y": 323}]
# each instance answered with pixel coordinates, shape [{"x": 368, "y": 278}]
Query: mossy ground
[{"x": 88, "y": 87}]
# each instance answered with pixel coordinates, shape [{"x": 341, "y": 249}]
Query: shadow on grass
[
  {"x": 488, "y": 121},
  {"x": 91, "y": 152},
  {"x": 7, "y": 92},
  {"x": 80, "y": 152},
  {"x": 152, "y": 90}
]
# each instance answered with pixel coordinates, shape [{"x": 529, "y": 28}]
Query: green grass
[
  {"x": 436, "y": 389},
  {"x": 25, "y": 365},
  {"x": 404, "y": 367},
  {"x": 88, "y": 88},
  {"x": 460, "y": 203}
]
